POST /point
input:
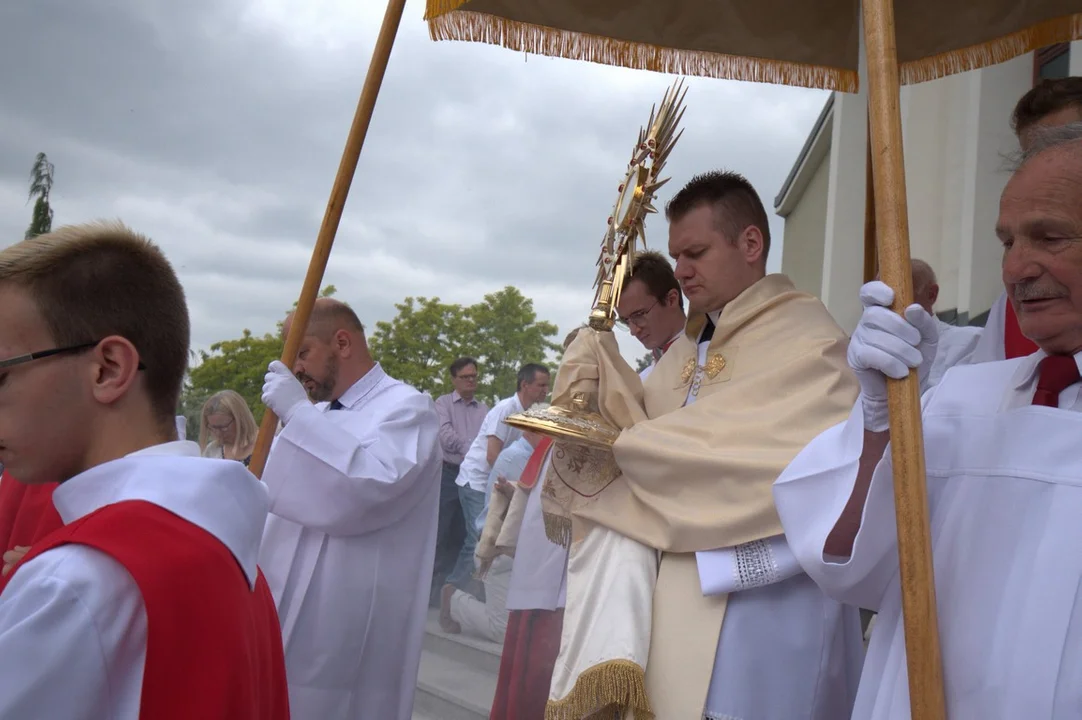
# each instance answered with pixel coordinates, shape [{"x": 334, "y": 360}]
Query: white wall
[{"x": 802, "y": 253}]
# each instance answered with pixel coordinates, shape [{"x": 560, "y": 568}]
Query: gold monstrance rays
[{"x": 626, "y": 225}]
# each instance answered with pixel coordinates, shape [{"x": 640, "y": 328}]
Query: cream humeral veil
[{"x": 679, "y": 479}]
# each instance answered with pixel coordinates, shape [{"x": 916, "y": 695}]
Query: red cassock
[
  {"x": 26, "y": 513},
  {"x": 214, "y": 646}
]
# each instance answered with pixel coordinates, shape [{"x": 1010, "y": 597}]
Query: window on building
[{"x": 1052, "y": 61}]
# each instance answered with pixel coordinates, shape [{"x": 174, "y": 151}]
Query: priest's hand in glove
[
  {"x": 283, "y": 392},
  {"x": 885, "y": 344}
]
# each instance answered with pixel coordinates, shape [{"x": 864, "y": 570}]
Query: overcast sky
[{"x": 216, "y": 127}]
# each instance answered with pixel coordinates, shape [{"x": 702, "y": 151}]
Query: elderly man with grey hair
[{"x": 1004, "y": 476}]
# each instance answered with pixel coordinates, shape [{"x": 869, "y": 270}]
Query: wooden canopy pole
[
  {"x": 924, "y": 662},
  {"x": 333, "y": 215}
]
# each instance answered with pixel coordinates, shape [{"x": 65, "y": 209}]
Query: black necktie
[
  {"x": 708, "y": 331},
  {"x": 335, "y": 405}
]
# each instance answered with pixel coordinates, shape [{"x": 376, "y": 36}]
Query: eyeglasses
[
  {"x": 30, "y": 357},
  {"x": 638, "y": 319},
  {"x": 220, "y": 428},
  {"x": 466, "y": 377}
]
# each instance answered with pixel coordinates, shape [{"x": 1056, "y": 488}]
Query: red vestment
[
  {"x": 26, "y": 513},
  {"x": 530, "y": 649},
  {"x": 214, "y": 646}
]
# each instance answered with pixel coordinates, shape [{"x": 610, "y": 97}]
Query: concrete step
[
  {"x": 457, "y": 678},
  {"x": 471, "y": 651},
  {"x": 452, "y": 690}
]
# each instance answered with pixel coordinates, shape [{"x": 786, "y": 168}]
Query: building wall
[
  {"x": 957, "y": 143},
  {"x": 802, "y": 252}
]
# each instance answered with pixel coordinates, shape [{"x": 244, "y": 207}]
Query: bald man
[
  {"x": 956, "y": 343},
  {"x": 354, "y": 483}
]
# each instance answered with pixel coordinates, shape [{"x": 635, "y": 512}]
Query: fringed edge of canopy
[
  {"x": 445, "y": 22},
  {"x": 611, "y": 685},
  {"x": 1002, "y": 49}
]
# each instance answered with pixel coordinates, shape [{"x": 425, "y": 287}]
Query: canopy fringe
[
  {"x": 445, "y": 24},
  {"x": 1002, "y": 49}
]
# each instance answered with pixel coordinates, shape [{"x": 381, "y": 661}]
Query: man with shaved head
[
  {"x": 354, "y": 483},
  {"x": 1004, "y": 492}
]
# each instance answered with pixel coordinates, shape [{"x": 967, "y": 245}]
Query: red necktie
[{"x": 1057, "y": 373}]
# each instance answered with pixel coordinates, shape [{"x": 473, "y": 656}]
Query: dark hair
[
  {"x": 528, "y": 372},
  {"x": 654, "y": 271},
  {"x": 1047, "y": 97},
  {"x": 736, "y": 204},
  {"x": 459, "y": 365}
]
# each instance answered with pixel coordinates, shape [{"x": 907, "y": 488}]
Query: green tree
[
  {"x": 502, "y": 332},
  {"x": 506, "y": 335},
  {"x": 233, "y": 365},
  {"x": 421, "y": 341},
  {"x": 644, "y": 362},
  {"x": 41, "y": 184}
]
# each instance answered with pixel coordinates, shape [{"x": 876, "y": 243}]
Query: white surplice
[
  {"x": 73, "y": 626},
  {"x": 786, "y": 650},
  {"x": 539, "y": 572},
  {"x": 956, "y": 347},
  {"x": 1005, "y": 498},
  {"x": 349, "y": 546}
]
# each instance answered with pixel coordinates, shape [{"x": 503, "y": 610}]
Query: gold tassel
[
  {"x": 614, "y": 685},
  {"x": 1002, "y": 49},
  {"x": 435, "y": 8},
  {"x": 558, "y": 529},
  {"x": 444, "y": 23}
]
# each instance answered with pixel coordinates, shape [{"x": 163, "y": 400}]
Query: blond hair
[
  {"x": 100, "y": 279},
  {"x": 228, "y": 402}
]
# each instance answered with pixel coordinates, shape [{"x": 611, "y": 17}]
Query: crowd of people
[{"x": 720, "y": 575}]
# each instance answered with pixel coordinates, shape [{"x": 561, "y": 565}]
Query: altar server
[
  {"x": 147, "y": 603},
  {"x": 354, "y": 484},
  {"x": 1004, "y": 477}
]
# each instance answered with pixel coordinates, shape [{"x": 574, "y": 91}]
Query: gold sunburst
[{"x": 626, "y": 227}]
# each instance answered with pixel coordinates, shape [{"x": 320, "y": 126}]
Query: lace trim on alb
[{"x": 755, "y": 567}]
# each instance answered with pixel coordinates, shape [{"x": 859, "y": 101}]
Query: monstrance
[{"x": 578, "y": 422}]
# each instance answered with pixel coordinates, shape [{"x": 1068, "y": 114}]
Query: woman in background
[{"x": 228, "y": 429}]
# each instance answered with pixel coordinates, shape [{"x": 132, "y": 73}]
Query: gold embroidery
[
  {"x": 714, "y": 365},
  {"x": 685, "y": 376}
]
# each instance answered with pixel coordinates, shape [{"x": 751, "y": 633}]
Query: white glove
[
  {"x": 283, "y": 392},
  {"x": 887, "y": 345}
]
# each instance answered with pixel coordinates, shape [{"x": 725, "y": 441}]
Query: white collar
[
  {"x": 220, "y": 496},
  {"x": 360, "y": 389}
]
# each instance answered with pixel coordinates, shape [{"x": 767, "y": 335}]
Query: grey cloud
[{"x": 217, "y": 129}]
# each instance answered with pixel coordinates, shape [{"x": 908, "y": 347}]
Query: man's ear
[
  {"x": 114, "y": 370},
  {"x": 752, "y": 244}
]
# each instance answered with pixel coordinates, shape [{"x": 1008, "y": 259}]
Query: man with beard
[{"x": 354, "y": 487}]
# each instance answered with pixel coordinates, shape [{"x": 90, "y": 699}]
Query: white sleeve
[
  {"x": 810, "y": 496},
  {"x": 747, "y": 566},
  {"x": 72, "y": 638},
  {"x": 323, "y": 477}
]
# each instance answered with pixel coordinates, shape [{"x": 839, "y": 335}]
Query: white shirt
[
  {"x": 475, "y": 468},
  {"x": 1005, "y": 495},
  {"x": 73, "y": 625},
  {"x": 349, "y": 546}
]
